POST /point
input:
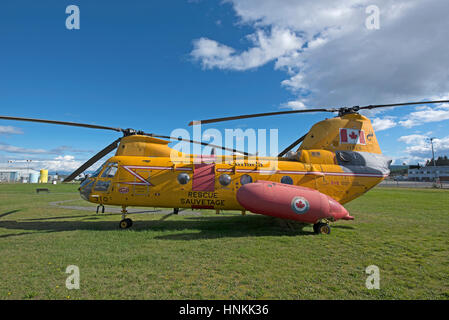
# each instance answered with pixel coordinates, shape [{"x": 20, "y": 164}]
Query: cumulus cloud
[
  {"x": 13, "y": 149},
  {"x": 267, "y": 46},
  {"x": 65, "y": 163},
  {"x": 296, "y": 105},
  {"x": 331, "y": 58},
  {"x": 59, "y": 150},
  {"x": 426, "y": 114},
  {"x": 10, "y": 130},
  {"x": 418, "y": 147},
  {"x": 61, "y": 164},
  {"x": 380, "y": 124}
]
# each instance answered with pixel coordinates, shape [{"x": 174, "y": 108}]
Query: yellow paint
[
  {"x": 148, "y": 170},
  {"x": 43, "y": 178}
]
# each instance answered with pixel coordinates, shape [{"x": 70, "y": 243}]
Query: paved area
[
  {"x": 114, "y": 209},
  {"x": 413, "y": 184}
]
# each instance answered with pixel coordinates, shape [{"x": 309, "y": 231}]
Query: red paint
[
  {"x": 343, "y": 135},
  {"x": 353, "y": 136},
  {"x": 277, "y": 200},
  {"x": 204, "y": 177}
]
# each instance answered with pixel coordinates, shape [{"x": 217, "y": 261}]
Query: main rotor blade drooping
[
  {"x": 294, "y": 144},
  {"x": 92, "y": 160}
]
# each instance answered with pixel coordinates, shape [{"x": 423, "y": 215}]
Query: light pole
[
  {"x": 28, "y": 165},
  {"x": 433, "y": 158}
]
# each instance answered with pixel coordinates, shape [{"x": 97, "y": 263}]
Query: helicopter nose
[{"x": 85, "y": 189}]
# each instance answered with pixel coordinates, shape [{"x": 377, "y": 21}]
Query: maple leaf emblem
[
  {"x": 300, "y": 204},
  {"x": 353, "y": 136}
]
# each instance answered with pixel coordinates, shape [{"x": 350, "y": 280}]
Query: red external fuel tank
[{"x": 290, "y": 202}]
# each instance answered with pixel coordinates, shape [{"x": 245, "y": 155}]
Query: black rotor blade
[
  {"x": 402, "y": 104},
  {"x": 342, "y": 110},
  {"x": 294, "y": 144},
  {"x": 196, "y": 142},
  {"x": 65, "y": 123},
  {"x": 260, "y": 115},
  {"x": 92, "y": 160}
]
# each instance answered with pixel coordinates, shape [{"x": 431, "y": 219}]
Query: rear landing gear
[
  {"x": 321, "y": 228},
  {"x": 126, "y": 222}
]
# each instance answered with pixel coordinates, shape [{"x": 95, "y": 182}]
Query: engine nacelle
[{"x": 290, "y": 202}]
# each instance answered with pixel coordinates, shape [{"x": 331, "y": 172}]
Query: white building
[
  {"x": 430, "y": 173},
  {"x": 16, "y": 174}
]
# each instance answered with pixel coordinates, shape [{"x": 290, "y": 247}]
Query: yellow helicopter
[{"x": 339, "y": 159}]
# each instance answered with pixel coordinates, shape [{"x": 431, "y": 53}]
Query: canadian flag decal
[{"x": 352, "y": 136}]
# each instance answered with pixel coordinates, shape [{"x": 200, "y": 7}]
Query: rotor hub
[{"x": 348, "y": 110}]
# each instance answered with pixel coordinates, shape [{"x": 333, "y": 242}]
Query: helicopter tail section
[{"x": 351, "y": 132}]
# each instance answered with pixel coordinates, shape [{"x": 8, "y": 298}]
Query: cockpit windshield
[{"x": 97, "y": 172}]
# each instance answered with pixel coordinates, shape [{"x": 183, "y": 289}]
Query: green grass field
[{"x": 405, "y": 232}]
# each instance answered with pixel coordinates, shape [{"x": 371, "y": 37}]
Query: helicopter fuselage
[
  {"x": 210, "y": 183},
  {"x": 338, "y": 161}
]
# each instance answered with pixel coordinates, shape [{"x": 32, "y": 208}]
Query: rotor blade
[
  {"x": 294, "y": 144},
  {"x": 402, "y": 104},
  {"x": 65, "y": 123},
  {"x": 196, "y": 142},
  {"x": 353, "y": 109},
  {"x": 92, "y": 160},
  {"x": 260, "y": 115}
]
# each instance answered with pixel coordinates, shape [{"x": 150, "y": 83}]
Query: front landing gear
[
  {"x": 126, "y": 222},
  {"x": 321, "y": 228}
]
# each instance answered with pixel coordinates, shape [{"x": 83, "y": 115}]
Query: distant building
[
  {"x": 429, "y": 173},
  {"x": 16, "y": 174}
]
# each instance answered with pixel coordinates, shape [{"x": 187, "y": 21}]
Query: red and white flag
[{"x": 352, "y": 136}]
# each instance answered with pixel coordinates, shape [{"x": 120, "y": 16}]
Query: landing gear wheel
[
  {"x": 323, "y": 228},
  {"x": 126, "y": 223}
]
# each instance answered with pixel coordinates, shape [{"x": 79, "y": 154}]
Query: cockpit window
[
  {"x": 97, "y": 172},
  {"x": 110, "y": 171}
]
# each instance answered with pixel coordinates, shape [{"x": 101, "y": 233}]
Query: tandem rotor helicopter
[{"x": 339, "y": 159}]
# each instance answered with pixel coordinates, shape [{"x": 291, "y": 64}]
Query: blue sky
[{"x": 149, "y": 65}]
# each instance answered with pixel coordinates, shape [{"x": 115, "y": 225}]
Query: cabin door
[{"x": 204, "y": 177}]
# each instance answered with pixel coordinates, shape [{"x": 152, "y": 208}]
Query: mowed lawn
[{"x": 405, "y": 232}]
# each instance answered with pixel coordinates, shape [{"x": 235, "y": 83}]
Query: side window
[
  {"x": 287, "y": 180},
  {"x": 102, "y": 185},
  {"x": 110, "y": 171},
  {"x": 245, "y": 179}
]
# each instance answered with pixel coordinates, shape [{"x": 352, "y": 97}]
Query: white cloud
[
  {"x": 296, "y": 105},
  {"x": 10, "y": 130},
  {"x": 413, "y": 139},
  {"x": 332, "y": 59},
  {"x": 267, "y": 46},
  {"x": 426, "y": 114},
  {"x": 59, "y": 150},
  {"x": 380, "y": 124},
  {"x": 66, "y": 163},
  {"x": 419, "y": 148},
  {"x": 13, "y": 149}
]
